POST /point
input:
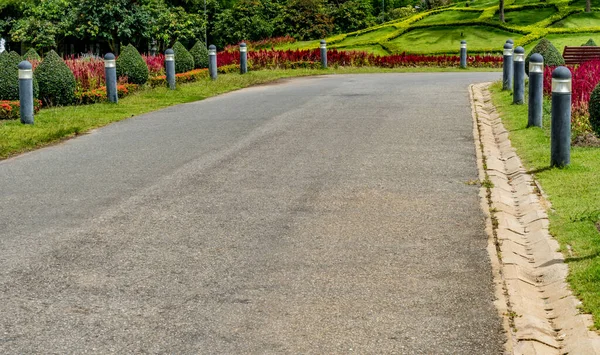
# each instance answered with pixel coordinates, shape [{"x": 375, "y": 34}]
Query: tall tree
[
  {"x": 501, "y": 10},
  {"x": 588, "y": 5}
]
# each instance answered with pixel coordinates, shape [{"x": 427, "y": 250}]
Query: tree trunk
[
  {"x": 588, "y": 5},
  {"x": 501, "y": 10}
]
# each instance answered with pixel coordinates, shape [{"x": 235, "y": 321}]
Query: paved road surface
[{"x": 318, "y": 215}]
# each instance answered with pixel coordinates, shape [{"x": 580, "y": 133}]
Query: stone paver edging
[{"x": 539, "y": 311}]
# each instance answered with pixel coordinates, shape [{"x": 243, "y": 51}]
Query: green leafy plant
[
  {"x": 184, "y": 61},
  {"x": 552, "y": 56},
  {"x": 56, "y": 81},
  {"x": 131, "y": 64},
  {"x": 200, "y": 54},
  {"x": 590, "y": 43},
  {"x": 594, "y": 109},
  {"x": 31, "y": 54}
]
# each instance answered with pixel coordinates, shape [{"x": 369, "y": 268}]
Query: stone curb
[{"x": 539, "y": 311}]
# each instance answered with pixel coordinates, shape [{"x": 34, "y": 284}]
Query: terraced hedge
[{"x": 526, "y": 30}]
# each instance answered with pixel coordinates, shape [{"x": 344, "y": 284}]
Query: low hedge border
[
  {"x": 11, "y": 110},
  {"x": 187, "y": 77},
  {"x": 99, "y": 95}
]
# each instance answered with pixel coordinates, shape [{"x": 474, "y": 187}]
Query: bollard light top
[
  {"x": 561, "y": 73},
  {"x": 519, "y": 50},
  {"x": 463, "y": 42},
  {"x": 242, "y": 44},
  {"x": 323, "y": 41},
  {"x": 109, "y": 56},
  {"x": 508, "y": 45},
  {"x": 170, "y": 51},
  {"x": 510, "y": 40},
  {"x": 25, "y": 65},
  {"x": 536, "y": 58},
  {"x": 212, "y": 47}
]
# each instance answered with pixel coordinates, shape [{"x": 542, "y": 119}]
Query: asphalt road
[{"x": 316, "y": 215}]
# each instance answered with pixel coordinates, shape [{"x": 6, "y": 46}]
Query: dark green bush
[
  {"x": 552, "y": 56},
  {"x": 31, "y": 54},
  {"x": 590, "y": 43},
  {"x": 9, "y": 77},
  {"x": 200, "y": 54},
  {"x": 594, "y": 109},
  {"x": 56, "y": 81},
  {"x": 131, "y": 64},
  {"x": 183, "y": 59}
]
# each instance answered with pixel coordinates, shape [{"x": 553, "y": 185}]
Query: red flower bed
[
  {"x": 156, "y": 64},
  {"x": 585, "y": 77},
  {"x": 187, "y": 77},
  {"x": 263, "y": 59},
  {"x": 88, "y": 71},
  {"x": 9, "y": 110}
]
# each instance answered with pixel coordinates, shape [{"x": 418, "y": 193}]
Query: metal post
[
  {"x": 26, "y": 92},
  {"x": 323, "y": 54},
  {"x": 463, "y": 54},
  {"x": 507, "y": 65},
  {"x": 560, "y": 131},
  {"x": 243, "y": 58},
  {"x": 536, "y": 90},
  {"x": 519, "y": 80},
  {"x": 212, "y": 62},
  {"x": 110, "y": 75},
  {"x": 170, "y": 68}
]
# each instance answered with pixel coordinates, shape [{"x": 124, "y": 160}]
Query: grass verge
[
  {"x": 59, "y": 123},
  {"x": 574, "y": 192}
]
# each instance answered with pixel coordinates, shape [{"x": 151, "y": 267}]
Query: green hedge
[
  {"x": 184, "y": 61},
  {"x": 31, "y": 54},
  {"x": 131, "y": 64},
  {"x": 594, "y": 109},
  {"x": 9, "y": 77},
  {"x": 200, "y": 54},
  {"x": 551, "y": 55},
  {"x": 56, "y": 81}
]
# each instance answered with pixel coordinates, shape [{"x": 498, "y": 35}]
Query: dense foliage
[
  {"x": 552, "y": 56},
  {"x": 9, "y": 76},
  {"x": 131, "y": 64},
  {"x": 200, "y": 54},
  {"x": 56, "y": 81},
  {"x": 183, "y": 59},
  {"x": 31, "y": 54},
  {"x": 590, "y": 43}
]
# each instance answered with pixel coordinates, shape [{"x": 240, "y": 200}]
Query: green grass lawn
[
  {"x": 581, "y": 19},
  {"x": 560, "y": 41},
  {"x": 369, "y": 36},
  {"x": 374, "y": 49},
  {"x": 527, "y": 17},
  {"x": 574, "y": 193},
  {"x": 448, "y": 16},
  {"x": 447, "y": 39},
  {"x": 481, "y": 4}
]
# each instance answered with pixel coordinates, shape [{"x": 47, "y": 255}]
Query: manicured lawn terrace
[
  {"x": 527, "y": 17},
  {"x": 369, "y": 36},
  {"x": 447, "y": 39},
  {"x": 573, "y": 191},
  {"x": 59, "y": 123},
  {"x": 582, "y": 19},
  {"x": 449, "y": 16},
  {"x": 560, "y": 41}
]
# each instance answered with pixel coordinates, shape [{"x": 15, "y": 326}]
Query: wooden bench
[{"x": 578, "y": 55}]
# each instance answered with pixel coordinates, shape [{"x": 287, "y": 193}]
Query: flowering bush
[
  {"x": 156, "y": 64},
  {"x": 264, "y": 59},
  {"x": 99, "y": 94},
  {"x": 9, "y": 110},
  {"x": 187, "y": 77},
  {"x": 88, "y": 71}
]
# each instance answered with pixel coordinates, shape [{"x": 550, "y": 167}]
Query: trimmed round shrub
[
  {"x": 594, "y": 109},
  {"x": 9, "y": 77},
  {"x": 56, "y": 81},
  {"x": 200, "y": 54},
  {"x": 590, "y": 43},
  {"x": 183, "y": 59},
  {"x": 31, "y": 54},
  {"x": 131, "y": 64},
  {"x": 552, "y": 56}
]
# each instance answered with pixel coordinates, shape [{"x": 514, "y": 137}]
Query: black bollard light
[
  {"x": 323, "y": 54},
  {"x": 560, "y": 130},
  {"x": 170, "y": 68},
  {"x": 26, "y": 92},
  {"x": 243, "y": 58},
  {"x": 463, "y": 54},
  {"x": 507, "y": 65},
  {"x": 110, "y": 75},
  {"x": 519, "y": 79},
  {"x": 536, "y": 90},
  {"x": 212, "y": 61}
]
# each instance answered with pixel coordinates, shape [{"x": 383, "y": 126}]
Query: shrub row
[
  {"x": 181, "y": 78},
  {"x": 99, "y": 95}
]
